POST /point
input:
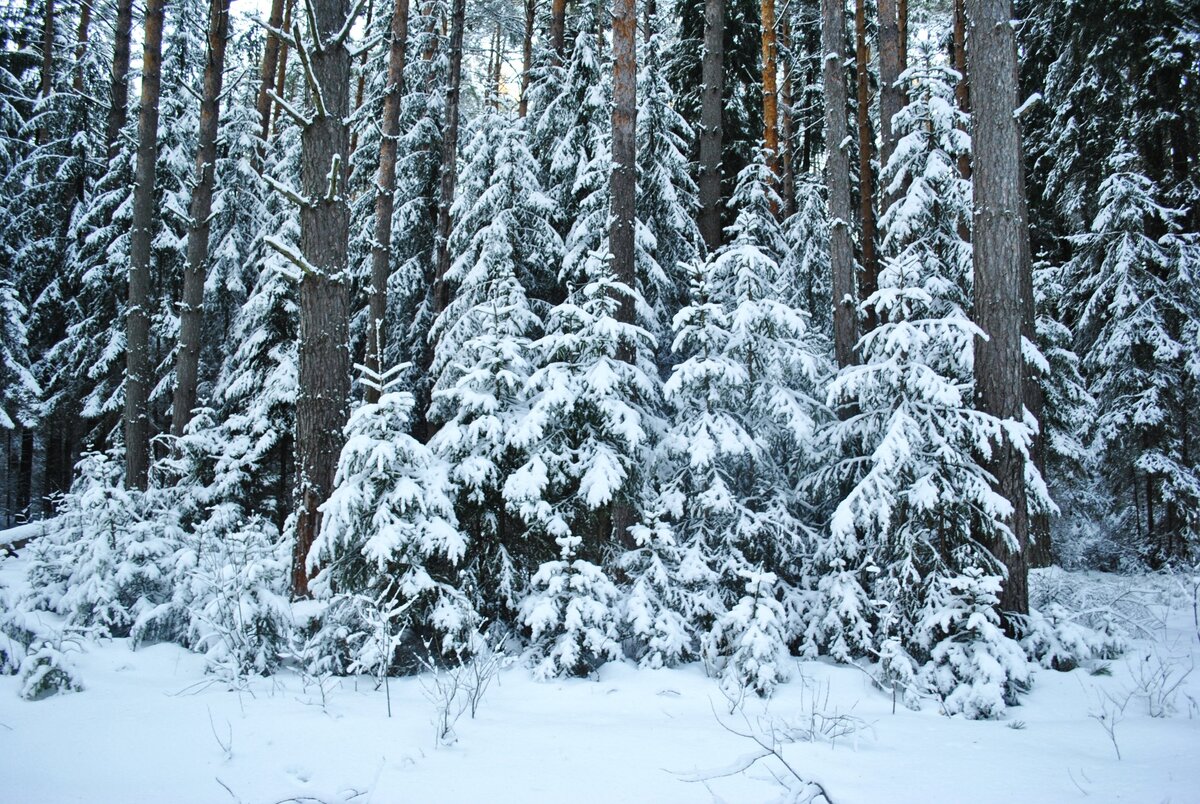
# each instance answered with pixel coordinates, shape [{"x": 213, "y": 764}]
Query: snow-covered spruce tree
[
  {"x": 743, "y": 414},
  {"x": 974, "y": 668},
  {"x": 1134, "y": 283},
  {"x": 390, "y": 539},
  {"x": 586, "y": 435},
  {"x": 572, "y": 133},
  {"x": 104, "y": 565},
  {"x": 418, "y": 161},
  {"x": 804, "y": 268},
  {"x": 906, "y": 540},
  {"x": 667, "y": 237},
  {"x": 502, "y": 239}
]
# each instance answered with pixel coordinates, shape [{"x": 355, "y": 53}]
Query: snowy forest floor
[{"x": 151, "y": 726}]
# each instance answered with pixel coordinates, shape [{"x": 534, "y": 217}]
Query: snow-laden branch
[{"x": 292, "y": 256}]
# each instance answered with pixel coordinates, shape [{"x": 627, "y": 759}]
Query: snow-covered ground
[{"x": 150, "y": 726}]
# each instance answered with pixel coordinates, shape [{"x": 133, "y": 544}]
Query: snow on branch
[
  {"x": 292, "y": 256},
  {"x": 287, "y": 192}
]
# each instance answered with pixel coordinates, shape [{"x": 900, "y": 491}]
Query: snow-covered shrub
[
  {"x": 47, "y": 669},
  {"x": 239, "y": 616},
  {"x": 747, "y": 644},
  {"x": 106, "y": 561},
  {"x": 571, "y": 615},
  {"x": 1054, "y": 638},
  {"x": 662, "y": 635},
  {"x": 389, "y": 529},
  {"x": 974, "y": 668}
]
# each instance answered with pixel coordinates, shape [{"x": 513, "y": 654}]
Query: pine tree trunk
[
  {"x": 361, "y": 89},
  {"x": 787, "y": 123},
  {"x": 558, "y": 28},
  {"x": 46, "y": 79},
  {"x": 837, "y": 179},
  {"x": 324, "y": 376},
  {"x": 891, "y": 99},
  {"x": 281, "y": 75},
  {"x": 866, "y": 174},
  {"x": 770, "y": 88},
  {"x": 711, "y": 95},
  {"x": 385, "y": 191},
  {"x": 118, "y": 109},
  {"x": 902, "y": 37},
  {"x": 1001, "y": 259},
  {"x": 623, "y": 179},
  {"x": 191, "y": 310},
  {"x": 270, "y": 64},
  {"x": 449, "y": 167},
  {"x": 527, "y": 56},
  {"x": 137, "y": 320},
  {"x": 962, "y": 91}
]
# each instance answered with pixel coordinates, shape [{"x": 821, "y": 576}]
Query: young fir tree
[
  {"x": 587, "y": 437},
  {"x": 907, "y": 532},
  {"x": 1137, "y": 331},
  {"x": 483, "y": 359},
  {"x": 667, "y": 236},
  {"x": 390, "y": 536},
  {"x": 744, "y": 410}
]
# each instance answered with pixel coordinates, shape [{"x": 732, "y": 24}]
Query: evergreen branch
[
  {"x": 292, "y": 256},
  {"x": 291, "y": 110},
  {"x": 365, "y": 45},
  {"x": 335, "y": 170},
  {"x": 310, "y": 78},
  {"x": 287, "y": 192},
  {"x": 318, "y": 45},
  {"x": 340, "y": 38}
]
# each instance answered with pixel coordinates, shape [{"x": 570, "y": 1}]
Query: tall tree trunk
[
  {"x": 962, "y": 90},
  {"x": 118, "y": 109},
  {"x": 651, "y": 12},
  {"x": 527, "y": 56},
  {"x": 270, "y": 64},
  {"x": 46, "y": 79},
  {"x": 281, "y": 74},
  {"x": 137, "y": 317},
  {"x": 324, "y": 377},
  {"x": 558, "y": 29},
  {"x": 891, "y": 98},
  {"x": 191, "y": 310},
  {"x": 449, "y": 168},
  {"x": 712, "y": 70},
  {"x": 1001, "y": 259},
  {"x": 385, "y": 192},
  {"x": 866, "y": 174},
  {"x": 622, "y": 192},
  {"x": 786, "y": 122},
  {"x": 837, "y": 180},
  {"x": 361, "y": 89},
  {"x": 770, "y": 90},
  {"x": 902, "y": 35},
  {"x": 81, "y": 41}
]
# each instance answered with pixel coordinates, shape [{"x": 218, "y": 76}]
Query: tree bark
[
  {"x": 449, "y": 167},
  {"x": 866, "y": 174},
  {"x": 46, "y": 79},
  {"x": 787, "y": 123},
  {"x": 623, "y": 179},
  {"x": 527, "y": 56},
  {"x": 324, "y": 376},
  {"x": 270, "y": 64},
  {"x": 385, "y": 192},
  {"x": 191, "y": 310},
  {"x": 962, "y": 91},
  {"x": 558, "y": 28},
  {"x": 118, "y": 110},
  {"x": 891, "y": 99},
  {"x": 137, "y": 316},
  {"x": 770, "y": 88},
  {"x": 1001, "y": 261},
  {"x": 902, "y": 35},
  {"x": 837, "y": 180},
  {"x": 281, "y": 76},
  {"x": 712, "y": 70}
]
